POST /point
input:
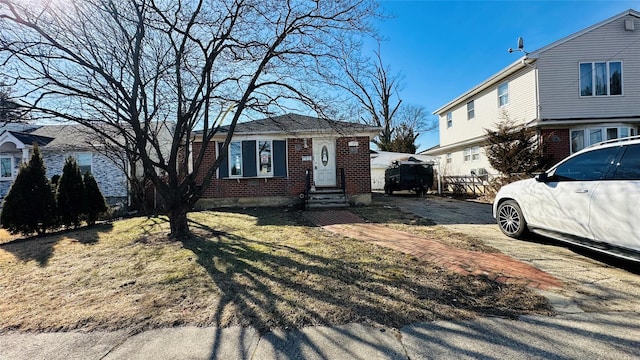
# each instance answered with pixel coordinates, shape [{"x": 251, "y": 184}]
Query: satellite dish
[{"x": 520, "y": 43}]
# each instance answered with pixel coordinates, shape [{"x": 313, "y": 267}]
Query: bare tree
[
  {"x": 10, "y": 109},
  {"x": 410, "y": 122},
  {"x": 129, "y": 66},
  {"x": 375, "y": 90}
]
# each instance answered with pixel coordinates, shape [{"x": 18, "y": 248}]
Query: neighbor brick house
[
  {"x": 268, "y": 161},
  {"x": 577, "y": 91}
]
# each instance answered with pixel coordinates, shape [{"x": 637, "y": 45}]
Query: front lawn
[{"x": 266, "y": 268}]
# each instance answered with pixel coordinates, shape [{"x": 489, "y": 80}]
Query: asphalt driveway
[{"x": 593, "y": 282}]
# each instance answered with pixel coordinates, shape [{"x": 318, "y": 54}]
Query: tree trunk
[{"x": 178, "y": 221}]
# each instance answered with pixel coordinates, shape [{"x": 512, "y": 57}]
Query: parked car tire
[{"x": 510, "y": 219}]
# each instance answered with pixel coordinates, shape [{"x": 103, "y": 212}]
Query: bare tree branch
[{"x": 126, "y": 69}]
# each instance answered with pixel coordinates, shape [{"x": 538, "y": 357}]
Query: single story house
[
  {"x": 271, "y": 161},
  {"x": 56, "y": 143}
]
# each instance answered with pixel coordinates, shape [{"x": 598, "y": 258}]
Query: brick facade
[
  {"x": 354, "y": 160},
  {"x": 556, "y": 143}
]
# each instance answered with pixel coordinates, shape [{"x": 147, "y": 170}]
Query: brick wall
[
  {"x": 355, "y": 163},
  {"x": 556, "y": 143}
]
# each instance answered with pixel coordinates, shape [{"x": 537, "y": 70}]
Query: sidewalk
[{"x": 575, "y": 336}]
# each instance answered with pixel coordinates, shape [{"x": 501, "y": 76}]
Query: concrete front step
[{"x": 326, "y": 198}]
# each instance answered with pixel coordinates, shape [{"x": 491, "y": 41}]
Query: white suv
[{"x": 590, "y": 199}]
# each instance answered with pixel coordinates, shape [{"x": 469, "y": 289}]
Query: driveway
[{"x": 592, "y": 282}]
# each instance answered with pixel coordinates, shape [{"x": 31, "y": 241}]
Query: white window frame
[
  {"x": 449, "y": 120},
  {"x": 475, "y": 153},
  {"x": 503, "y": 94},
  {"x": 471, "y": 110},
  {"x": 449, "y": 158},
  {"x": 604, "y": 130},
  {"x": 11, "y": 169},
  {"x": 258, "y": 160},
  {"x": 607, "y": 80},
  {"x": 230, "y": 161},
  {"x": 467, "y": 154},
  {"x": 77, "y": 157}
]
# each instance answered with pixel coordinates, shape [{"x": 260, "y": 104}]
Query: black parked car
[{"x": 409, "y": 175}]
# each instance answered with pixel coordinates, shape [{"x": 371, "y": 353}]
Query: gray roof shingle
[{"x": 295, "y": 123}]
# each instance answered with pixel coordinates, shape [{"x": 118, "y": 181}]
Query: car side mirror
[{"x": 543, "y": 177}]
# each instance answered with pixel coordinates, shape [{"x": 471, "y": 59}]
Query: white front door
[{"x": 324, "y": 162}]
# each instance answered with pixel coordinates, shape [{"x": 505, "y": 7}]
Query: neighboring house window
[
  {"x": 251, "y": 158},
  {"x": 475, "y": 153},
  {"x": 264, "y": 158},
  {"x": 6, "y": 167},
  {"x": 235, "y": 158},
  {"x": 472, "y": 153},
  {"x": 601, "y": 78},
  {"x": 449, "y": 157},
  {"x": 470, "y": 110},
  {"x": 84, "y": 162},
  {"x": 449, "y": 119},
  {"x": 581, "y": 138},
  {"x": 503, "y": 94}
]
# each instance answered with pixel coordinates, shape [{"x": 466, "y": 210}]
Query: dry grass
[{"x": 265, "y": 268}]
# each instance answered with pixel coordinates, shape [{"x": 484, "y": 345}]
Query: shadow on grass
[
  {"x": 268, "y": 282},
  {"x": 278, "y": 285},
  {"x": 40, "y": 248}
]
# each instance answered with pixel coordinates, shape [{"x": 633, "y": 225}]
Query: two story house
[{"x": 577, "y": 91}]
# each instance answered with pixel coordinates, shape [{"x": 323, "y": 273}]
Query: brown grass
[{"x": 265, "y": 268}]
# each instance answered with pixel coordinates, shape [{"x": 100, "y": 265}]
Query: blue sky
[{"x": 443, "y": 48}]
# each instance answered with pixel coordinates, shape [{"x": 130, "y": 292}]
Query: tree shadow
[
  {"x": 256, "y": 280},
  {"x": 41, "y": 248}
]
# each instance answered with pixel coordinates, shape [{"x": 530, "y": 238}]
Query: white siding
[
  {"x": 559, "y": 74},
  {"x": 458, "y": 166},
  {"x": 521, "y": 108}
]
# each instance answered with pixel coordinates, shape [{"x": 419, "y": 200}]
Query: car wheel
[{"x": 511, "y": 220}]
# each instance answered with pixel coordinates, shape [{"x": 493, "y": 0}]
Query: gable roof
[
  {"x": 30, "y": 139},
  {"x": 527, "y": 59},
  {"x": 299, "y": 124}
]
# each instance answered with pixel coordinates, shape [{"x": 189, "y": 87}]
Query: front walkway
[{"x": 496, "y": 266}]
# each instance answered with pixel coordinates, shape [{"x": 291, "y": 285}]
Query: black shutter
[
  {"x": 223, "y": 170},
  {"x": 249, "y": 166},
  {"x": 279, "y": 158}
]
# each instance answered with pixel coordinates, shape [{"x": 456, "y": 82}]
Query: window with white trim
[
  {"x": 583, "y": 137},
  {"x": 449, "y": 158},
  {"x": 6, "y": 167},
  {"x": 472, "y": 153},
  {"x": 265, "y": 159},
  {"x": 601, "y": 78},
  {"x": 449, "y": 119},
  {"x": 235, "y": 158},
  {"x": 254, "y": 158},
  {"x": 475, "y": 153},
  {"x": 84, "y": 161},
  {"x": 471, "y": 113},
  {"x": 503, "y": 94}
]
